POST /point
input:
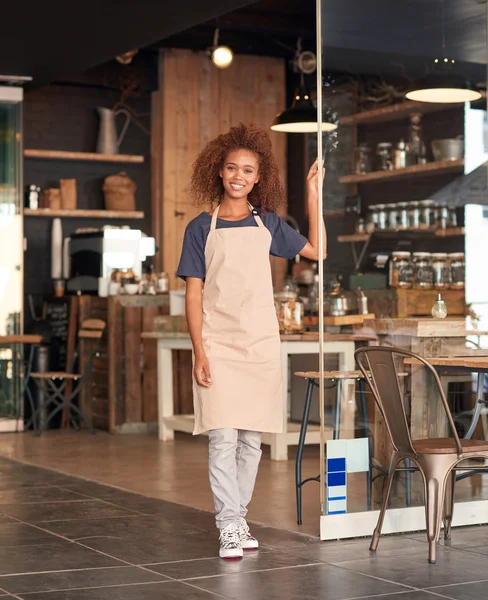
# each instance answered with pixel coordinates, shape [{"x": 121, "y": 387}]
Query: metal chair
[
  {"x": 53, "y": 383},
  {"x": 436, "y": 458}
]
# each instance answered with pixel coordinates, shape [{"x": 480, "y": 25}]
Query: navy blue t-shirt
[{"x": 285, "y": 241}]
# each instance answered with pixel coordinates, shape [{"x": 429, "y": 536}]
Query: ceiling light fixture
[
  {"x": 443, "y": 85},
  {"x": 301, "y": 117},
  {"x": 222, "y": 56}
]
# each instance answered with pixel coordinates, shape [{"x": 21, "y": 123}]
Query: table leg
[{"x": 165, "y": 391}]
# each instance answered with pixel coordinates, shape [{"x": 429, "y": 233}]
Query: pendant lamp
[
  {"x": 301, "y": 117},
  {"x": 444, "y": 87}
]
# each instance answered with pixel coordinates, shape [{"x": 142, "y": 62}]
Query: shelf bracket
[{"x": 359, "y": 259}]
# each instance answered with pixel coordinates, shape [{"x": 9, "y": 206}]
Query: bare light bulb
[{"x": 222, "y": 57}]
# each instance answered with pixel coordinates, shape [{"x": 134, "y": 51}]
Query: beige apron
[{"x": 240, "y": 333}]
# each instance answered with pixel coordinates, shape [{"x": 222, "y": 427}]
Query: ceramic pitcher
[{"x": 108, "y": 141}]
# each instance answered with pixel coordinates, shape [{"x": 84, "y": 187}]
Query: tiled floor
[{"x": 63, "y": 538}]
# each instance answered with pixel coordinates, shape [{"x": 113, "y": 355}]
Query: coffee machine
[{"x": 95, "y": 253}]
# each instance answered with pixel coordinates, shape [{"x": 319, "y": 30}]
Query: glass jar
[
  {"x": 452, "y": 218},
  {"x": 413, "y": 215},
  {"x": 442, "y": 216},
  {"x": 401, "y": 274},
  {"x": 427, "y": 214},
  {"x": 384, "y": 157},
  {"x": 163, "y": 283},
  {"x": 402, "y": 215},
  {"x": 456, "y": 260},
  {"x": 382, "y": 221},
  {"x": 372, "y": 223},
  {"x": 289, "y": 310},
  {"x": 442, "y": 271},
  {"x": 392, "y": 216},
  {"x": 363, "y": 159},
  {"x": 423, "y": 274}
]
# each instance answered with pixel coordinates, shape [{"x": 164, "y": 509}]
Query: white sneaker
[
  {"x": 248, "y": 542},
  {"x": 230, "y": 543}
]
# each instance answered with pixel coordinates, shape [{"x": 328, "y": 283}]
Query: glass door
[{"x": 11, "y": 255}]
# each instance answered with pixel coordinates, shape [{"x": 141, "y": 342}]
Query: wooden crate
[{"x": 411, "y": 303}]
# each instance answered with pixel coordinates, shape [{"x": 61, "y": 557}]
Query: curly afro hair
[{"x": 206, "y": 184}]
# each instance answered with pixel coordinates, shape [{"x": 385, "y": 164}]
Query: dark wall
[{"x": 63, "y": 117}]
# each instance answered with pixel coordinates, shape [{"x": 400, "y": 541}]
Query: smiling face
[{"x": 240, "y": 173}]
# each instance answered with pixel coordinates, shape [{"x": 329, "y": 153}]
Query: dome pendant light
[
  {"x": 301, "y": 117},
  {"x": 442, "y": 85}
]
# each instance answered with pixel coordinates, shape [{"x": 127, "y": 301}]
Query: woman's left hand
[{"x": 313, "y": 180}]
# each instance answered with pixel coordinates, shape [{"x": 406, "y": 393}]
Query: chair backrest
[
  {"x": 92, "y": 328},
  {"x": 381, "y": 372}
]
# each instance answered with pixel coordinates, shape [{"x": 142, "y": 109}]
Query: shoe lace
[
  {"x": 229, "y": 536},
  {"x": 244, "y": 529}
]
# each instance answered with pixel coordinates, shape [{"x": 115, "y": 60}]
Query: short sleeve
[
  {"x": 192, "y": 260},
  {"x": 286, "y": 242}
]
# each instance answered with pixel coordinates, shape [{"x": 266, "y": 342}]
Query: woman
[{"x": 233, "y": 324}]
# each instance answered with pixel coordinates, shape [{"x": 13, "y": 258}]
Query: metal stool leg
[
  {"x": 301, "y": 445},
  {"x": 337, "y": 417}
]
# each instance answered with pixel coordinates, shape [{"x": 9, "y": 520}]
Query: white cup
[{"x": 103, "y": 287}]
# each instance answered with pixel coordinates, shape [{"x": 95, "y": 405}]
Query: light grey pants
[{"x": 233, "y": 460}]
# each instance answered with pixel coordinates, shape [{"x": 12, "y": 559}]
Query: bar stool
[{"x": 336, "y": 379}]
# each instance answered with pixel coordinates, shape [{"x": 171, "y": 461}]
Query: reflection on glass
[{"x": 11, "y": 250}]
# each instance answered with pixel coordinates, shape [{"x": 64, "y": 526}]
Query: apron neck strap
[
  {"x": 254, "y": 213},
  {"x": 214, "y": 218}
]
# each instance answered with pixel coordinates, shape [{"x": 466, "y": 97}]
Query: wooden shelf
[
  {"x": 84, "y": 214},
  {"x": 401, "y": 110},
  {"x": 433, "y": 168},
  {"x": 87, "y": 156},
  {"x": 364, "y": 237}
]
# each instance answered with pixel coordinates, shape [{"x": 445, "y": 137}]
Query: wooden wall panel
[{"x": 197, "y": 102}]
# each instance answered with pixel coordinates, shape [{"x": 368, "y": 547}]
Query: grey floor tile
[
  {"x": 49, "y": 557},
  {"x": 252, "y": 561},
  {"x": 466, "y": 591},
  {"x": 334, "y": 552},
  {"x": 124, "y": 528},
  {"x": 30, "y": 495},
  {"x": 86, "y": 578},
  {"x": 62, "y": 511},
  {"x": 453, "y": 566},
  {"x": 141, "y": 550},
  {"x": 151, "y": 591},
  {"x": 17, "y": 534},
  {"x": 322, "y": 582},
  {"x": 281, "y": 539}
]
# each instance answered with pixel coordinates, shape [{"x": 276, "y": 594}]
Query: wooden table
[
  {"x": 464, "y": 364},
  {"x": 343, "y": 345}
]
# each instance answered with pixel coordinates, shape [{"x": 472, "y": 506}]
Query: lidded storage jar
[
  {"x": 442, "y": 271},
  {"x": 423, "y": 274},
  {"x": 401, "y": 273},
  {"x": 456, "y": 260},
  {"x": 119, "y": 191},
  {"x": 289, "y": 310}
]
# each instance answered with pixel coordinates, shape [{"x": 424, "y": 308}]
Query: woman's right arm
[{"x": 194, "y": 316}]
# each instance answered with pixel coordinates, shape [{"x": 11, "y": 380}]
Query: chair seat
[
  {"x": 448, "y": 446},
  {"x": 55, "y": 375}
]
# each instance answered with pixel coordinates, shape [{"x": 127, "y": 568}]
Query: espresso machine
[{"x": 94, "y": 254}]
